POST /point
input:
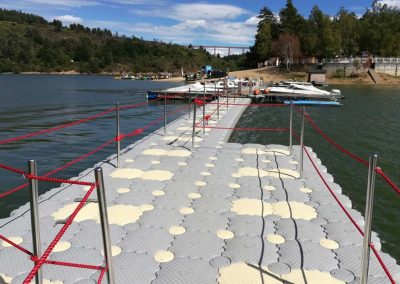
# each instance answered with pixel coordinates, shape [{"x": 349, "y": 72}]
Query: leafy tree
[
  {"x": 288, "y": 47},
  {"x": 267, "y": 17},
  {"x": 263, "y": 42},
  {"x": 57, "y": 25},
  {"x": 326, "y": 39},
  {"x": 291, "y": 21},
  {"x": 348, "y": 27}
]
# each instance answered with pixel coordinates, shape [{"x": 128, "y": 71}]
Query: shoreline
[{"x": 268, "y": 74}]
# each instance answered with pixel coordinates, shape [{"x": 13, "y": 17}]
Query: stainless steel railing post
[
  {"x": 234, "y": 94},
  {"x": 104, "y": 223},
  {"x": 204, "y": 108},
  {"x": 369, "y": 206},
  {"x": 118, "y": 134},
  {"x": 189, "y": 101},
  {"x": 302, "y": 143},
  {"x": 226, "y": 93},
  {"x": 165, "y": 114},
  {"x": 194, "y": 124},
  {"x": 291, "y": 128},
  {"x": 217, "y": 99},
  {"x": 35, "y": 225}
]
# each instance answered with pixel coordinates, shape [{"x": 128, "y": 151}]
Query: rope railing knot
[
  {"x": 119, "y": 137},
  {"x": 198, "y": 101}
]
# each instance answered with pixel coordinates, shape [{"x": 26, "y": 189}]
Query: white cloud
[
  {"x": 69, "y": 19},
  {"x": 252, "y": 21},
  {"x": 222, "y": 32},
  {"x": 207, "y": 11},
  {"x": 196, "y": 23},
  {"x": 199, "y": 22},
  {"x": 389, "y": 3},
  {"x": 194, "y": 11},
  {"x": 64, "y": 3}
]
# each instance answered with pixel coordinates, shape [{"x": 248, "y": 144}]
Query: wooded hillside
[{"x": 30, "y": 43}]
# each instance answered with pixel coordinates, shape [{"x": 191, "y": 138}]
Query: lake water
[{"x": 368, "y": 122}]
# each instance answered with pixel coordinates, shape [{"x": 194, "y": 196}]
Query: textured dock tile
[
  {"x": 16, "y": 261},
  {"x": 186, "y": 270},
  {"x": 220, "y": 190},
  {"x": 161, "y": 217},
  {"x": 291, "y": 194},
  {"x": 300, "y": 229},
  {"x": 253, "y": 193},
  {"x": 87, "y": 281},
  {"x": 378, "y": 280},
  {"x": 317, "y": 257},
  {"x": 252, "y": 182},
  {"x": 330, "y": 212},
  {"x": 166, "y": 166},
  {"x": 307, "y": 255},
  {"x": 134, "y": 268},
  {"x": 233, "y": 146},
  {"x": 250, "y": 225},
  {"x": 180, "y": 186},
  {"x": 88, "y": 229},
  {"x": 343, "y": 275},
  {"x": 194, "y": 244},
  {"x": 172, "y": 200},
  {"x": 146, "y": 240},
  {"x": 349, "y": 257},
  {"x": 21, "y": 277},
  {"x": 211, "y": 203},
  {"x": 217, "y": 178},
  {"x": 249, "y": 249},
  {"x": 76, "y": 255},
  {"x": 134, "y": 197},
  {"x": 205, "y": 221},
  {"x": 344, "y": 233},
  {"x": 147, "y": 185}
]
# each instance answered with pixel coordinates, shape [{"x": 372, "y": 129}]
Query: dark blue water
[
  {"x": 368, "y": 122},
  {"x": 29, "y": 103}
]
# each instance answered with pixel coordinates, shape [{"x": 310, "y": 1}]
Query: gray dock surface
[{"x": 222, "y": 213}]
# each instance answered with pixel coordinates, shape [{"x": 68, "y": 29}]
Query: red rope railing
[
  {"x": 59, "y": 235},
  {"x": 43, "y": 259},
  {"x": 66, "y": 125},
  {"x": 80, "y": 158},
  {"x": 350, "y": 154},
  {"x": 17, "y": 246},
  {"x": 387, "y": 272}
]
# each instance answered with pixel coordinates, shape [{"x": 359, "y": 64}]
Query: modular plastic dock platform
[{"x": 219, "y": 213}]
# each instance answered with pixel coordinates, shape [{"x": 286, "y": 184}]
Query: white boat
[
  {"x": 209, "y": 88},
  {"x": 294, "y": 91}
]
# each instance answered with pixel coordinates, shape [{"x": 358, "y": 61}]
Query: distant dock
[{"x": 216, "y": 212}]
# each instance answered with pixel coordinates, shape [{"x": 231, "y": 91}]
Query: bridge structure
[{"x": 216, "y": 48}]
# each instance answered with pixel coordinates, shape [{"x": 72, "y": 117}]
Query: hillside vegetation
[
  {"x": 29, "y": 43},
  {"x": 292, "y": 36}
]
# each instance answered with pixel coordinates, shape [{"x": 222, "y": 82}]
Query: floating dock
[{"x": 216, "y": 213}]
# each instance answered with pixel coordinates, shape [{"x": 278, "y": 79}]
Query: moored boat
[{"x": 292, "y": 91}]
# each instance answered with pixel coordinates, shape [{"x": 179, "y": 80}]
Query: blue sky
[{"x": 219, "y": 22}]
